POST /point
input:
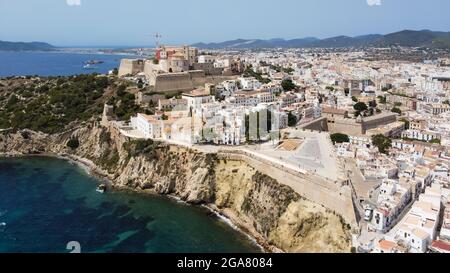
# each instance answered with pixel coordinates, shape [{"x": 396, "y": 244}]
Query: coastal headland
[{"x": 280, "y": 219}]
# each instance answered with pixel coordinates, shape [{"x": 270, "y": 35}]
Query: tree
[
  {"x": 407, "y": 123},
  {"x": 287, "y": 85},
  {"x": 382, "y": 143},
  {"x": 121, "y": 90},
  {"x": 339, "y": 138},
  {"x": 258, "y": 136},
  {"x": 354, "y": 99},
  {"x": 360, "y": 106},
  {"x": 372, "y": 104},
  {"x": 73, "y": 143},
  {"x": 247, "y": 128},
  {"x": 292, "y": 119},
  {"x": 382, "y": 99},
  {"x": 269, "y": 120},
  {"x": 396, "y": 110},
  {"x": 288, "y": 70},
  {"x": 435, "y": 141}
]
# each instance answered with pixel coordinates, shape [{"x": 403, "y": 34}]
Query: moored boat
[{"x": 101, "y": 188}]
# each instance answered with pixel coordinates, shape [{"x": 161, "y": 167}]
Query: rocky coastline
[{"x": 274, "y": 215}]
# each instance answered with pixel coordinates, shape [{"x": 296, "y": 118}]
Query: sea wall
[
  {"x": 333, "y": 195},
  {"x": 272, "y": 212}
]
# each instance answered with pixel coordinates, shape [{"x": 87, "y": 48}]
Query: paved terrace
[{"x": 314, "y": 155}]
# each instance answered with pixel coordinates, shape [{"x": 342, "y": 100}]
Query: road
[
  {"x": 362, "y": 187},
  {"x": 364, "y": 191}
]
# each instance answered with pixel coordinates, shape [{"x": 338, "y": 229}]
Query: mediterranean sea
[
  {"x": 55, "y": 63},
  {"x": 45, "y": 203}
]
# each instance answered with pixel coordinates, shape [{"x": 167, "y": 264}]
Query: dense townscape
[{"x": 379, "y": 125}]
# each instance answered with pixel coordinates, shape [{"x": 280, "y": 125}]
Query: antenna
[{"x": 157, "y": 37}]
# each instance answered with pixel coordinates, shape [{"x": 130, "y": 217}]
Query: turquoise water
[
  {"x": 46, "y": 203},
  {"x": 54, "y": 63}
]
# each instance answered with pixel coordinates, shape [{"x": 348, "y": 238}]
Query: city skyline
[
  {"x": 134, "y": 23},
  {"x": 202, "y": 126}
]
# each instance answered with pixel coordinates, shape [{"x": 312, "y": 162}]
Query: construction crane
[{"x": 157, "y": 36}]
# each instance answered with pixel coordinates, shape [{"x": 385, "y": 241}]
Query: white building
[
  {"x": 196, "y": 98},
  {"x": 249, "y": 83},
  {"x": 420, "y": 135},
  {"x": 392, "y": 199},
  {"x": 149, "y": 126},
  {"x": 202, "y": 59},
  {"x": 418, "y": 228}
]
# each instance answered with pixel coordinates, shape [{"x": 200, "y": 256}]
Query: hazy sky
[{"x": 134, "y": 22}]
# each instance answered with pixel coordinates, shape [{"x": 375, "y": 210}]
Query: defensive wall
[{"x": 333, "y": 195}]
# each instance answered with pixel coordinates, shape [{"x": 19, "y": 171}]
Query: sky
[{"x": 135, "y": 22}]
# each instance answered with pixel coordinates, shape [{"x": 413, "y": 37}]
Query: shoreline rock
[{"x": 273, "y": 214}]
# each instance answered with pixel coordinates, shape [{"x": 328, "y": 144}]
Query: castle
[{"x": 169, "y": 71}]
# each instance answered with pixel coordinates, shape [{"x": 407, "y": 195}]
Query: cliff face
[{"x": 274, "y": 214}]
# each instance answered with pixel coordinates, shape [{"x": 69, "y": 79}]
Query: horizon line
[{"x": 87, "y": 45}]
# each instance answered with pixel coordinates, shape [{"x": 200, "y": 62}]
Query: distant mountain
[
  {"x": 22, "y": 46},
  {"x": 257, "y": 43},
  {"x": 421, "y": 38}
]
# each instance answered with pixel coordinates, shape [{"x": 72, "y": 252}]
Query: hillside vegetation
[{"x": 53, "y": 104}]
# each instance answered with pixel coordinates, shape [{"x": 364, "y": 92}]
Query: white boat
[
  {"x": 88, "y": 66},
  {"x": 101, "y": 188}
]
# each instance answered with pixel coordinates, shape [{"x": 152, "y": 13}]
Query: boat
[
  {"x": 88, "y": 66},
  {"x": 101, "y": 188},
  {"x": 91, "y": 62}
]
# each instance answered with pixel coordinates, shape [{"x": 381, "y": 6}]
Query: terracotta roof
[
  {"x": 441, "y": 245},
  {"x": 386, "y": 245}
]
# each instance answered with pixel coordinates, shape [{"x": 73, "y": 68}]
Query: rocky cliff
[{"x": 274, "y": 214}]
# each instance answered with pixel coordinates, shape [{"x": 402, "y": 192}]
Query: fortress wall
[
  {"x": 316, "y": 125},
  {"x": 198, "y": 77},
  {"x": 333, "y": 195},
  {"x": 130, "y": 66},
  {"x": 379, "y": 120},
  {"x": 349, "y": 126},
  {"x": 149, "y": 69},
  {"x": 208, "y": 68},
  {"x": 173, "y": 82},
  {"x": 345, "y": 126},
  {"x": 182, "y": 81}
]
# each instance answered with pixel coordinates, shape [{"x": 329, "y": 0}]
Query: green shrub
[
  {"x": 383, "y": 143},
  {"x": 73, "y": 143},
  {"x": 339, "y": 138}
]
